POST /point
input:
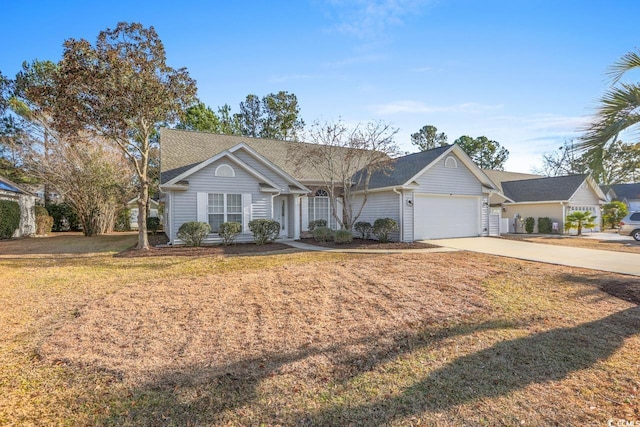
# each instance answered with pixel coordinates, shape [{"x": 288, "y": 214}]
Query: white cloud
[
  {"x": 417, "y": 107},
  {"x": 367, "y": 18}
]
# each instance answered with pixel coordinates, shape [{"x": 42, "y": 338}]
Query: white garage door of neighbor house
[{"x": 437, "y": 217}]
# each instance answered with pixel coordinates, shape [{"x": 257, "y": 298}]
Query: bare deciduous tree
[{"x": 345, "y": 158}]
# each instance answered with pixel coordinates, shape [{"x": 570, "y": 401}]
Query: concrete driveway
[{"x": 616, "y": 262}]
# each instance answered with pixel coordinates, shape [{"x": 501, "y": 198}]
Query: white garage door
[{"x": 437, "y": 217}]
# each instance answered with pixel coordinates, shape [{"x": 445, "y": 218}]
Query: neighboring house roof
[
  {"x": 407, "y": 168},
  {"x": 544, "y": 189},
  {"x": 12, "y": 187},
  {"x": 626, "y": 191},
  {"x": 498, "y": 177},
  {"x": 182, "y": 150}
]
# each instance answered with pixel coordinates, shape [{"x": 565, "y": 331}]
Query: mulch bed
[
  {"x": 156, "y": 241},
  {"x": 368, "y": 244}
]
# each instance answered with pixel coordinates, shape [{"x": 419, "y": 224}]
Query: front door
[{"x": 281, "y": 214}]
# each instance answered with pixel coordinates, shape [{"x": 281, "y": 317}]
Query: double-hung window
[
  {"x": 319, "y": 206},
  {"x": 224, "y": 208}
]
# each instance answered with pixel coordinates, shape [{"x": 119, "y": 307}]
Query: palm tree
[
  {"x": 579, "y": 220},
  {"x": 619, "y": 110}
]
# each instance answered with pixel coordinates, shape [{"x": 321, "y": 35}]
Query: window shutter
[
  {"x": 246, "y": 212},
  {"x": 304, "y": 213},
  {"x": 339, "y": 210},
  {"x": 202, "y": 203}
]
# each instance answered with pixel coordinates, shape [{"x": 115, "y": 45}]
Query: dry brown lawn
[
  {"x": 582, "y": 242},
  {"x": 315, "y": 339}
]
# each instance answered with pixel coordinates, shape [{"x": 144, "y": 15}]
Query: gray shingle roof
[
  {"x": 627, "y": 191},
  {"x": 498, "y": 177},
  {"x": 404, "y": 168},
  {"x": 180, "y": 150},
  {"x": 543, "y": 189}
]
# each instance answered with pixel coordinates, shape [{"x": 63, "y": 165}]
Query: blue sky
[{"x": 525, "y": 73}]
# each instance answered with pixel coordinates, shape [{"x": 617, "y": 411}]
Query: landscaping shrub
[
  {"x": 323, "y": 234},
  {"x": 382, "y": 227},
  {"x": 153, "y": 224},
  {"x": 123, "y": 220},
  {"x": 343, "y": 236},
  {"x": 9, "y": 218},
  {"x": 264, "y": 230},
  {"x": 529, "y": 224},
  {"x": 228, "y": 231},
  {"x": 545, "y": 225},
  {"x": 64, "y": 217},
  {"x": 44, "y": 222},
  {"x": 193, "y": 233},
  {"x": 317, "y": 223},
  {"x": 579, "y": 220},
  {"x": 613, "y": 212},
  {"x": 364, "y": 228}
]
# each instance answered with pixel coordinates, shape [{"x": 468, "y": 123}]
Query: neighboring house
[
  {"x": 219, "y": 178},
  {"x": 38, "y": 190},
  {"x": 629, "y": 194},
  {"x": 27, "y": 201},
  {"x": 523, "y": 196},
  {"x": 132, "y": 205}
]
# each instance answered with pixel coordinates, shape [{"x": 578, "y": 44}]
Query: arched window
[
  {"x": 225, "y": 170},
  {"x": 321, "y": 193},
  {"x": 319, "y": 206},
  {"x": 450, "y": 162}
]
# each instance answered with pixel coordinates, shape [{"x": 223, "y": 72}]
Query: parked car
[{"x": 630, "y": 225}]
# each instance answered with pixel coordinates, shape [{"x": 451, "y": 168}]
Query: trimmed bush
[
  {"x": 123, "y": 220},
  {"x": 153, "y": 224},
  {"x": 193, "y": 233},
  {"x": 545, "y": 225},
  {"x": 228, "y": 231},
  {"x": 65, "y": 218},
  {"x": 44, "y": 222},
  {"x": 317, "y": 223},
  {"x": 9, "y": 218},
  {"x": 382, "y": 227},
  {"x": 323, "y": 234},
  {"x": 264, "y": 230},
  {"x": 529, "y": 223},
  {"x": 343, "y": 236},
  {"x": 364, "y": 228}
]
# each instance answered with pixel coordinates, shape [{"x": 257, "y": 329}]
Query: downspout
[
  {"x": 395, "y": 190},
  {"x": 273, "y": 196},
  {"x": 564, "y": 215}
]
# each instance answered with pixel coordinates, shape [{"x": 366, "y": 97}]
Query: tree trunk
[{"x": 143, "y": 239}]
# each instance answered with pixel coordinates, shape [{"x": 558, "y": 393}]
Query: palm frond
[{"x": 629, "y": 61}]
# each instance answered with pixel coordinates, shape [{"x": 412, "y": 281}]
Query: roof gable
[
  {"x": 407, "y": 169},
  {"x": 559, "y": 188},
  {"x": 626, "y": 191},
  {"x": 10, "y": 186}
]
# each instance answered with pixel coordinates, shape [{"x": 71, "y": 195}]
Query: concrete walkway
[
  {"x": 308, "y": 247},
  {"x": 616, "y": 262}
]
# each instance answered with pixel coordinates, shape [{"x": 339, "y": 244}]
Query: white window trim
[
  {"x": 219, "y": 171},
  {"x": 225, "y": 208},
  {"x": 449, "y": 160}
]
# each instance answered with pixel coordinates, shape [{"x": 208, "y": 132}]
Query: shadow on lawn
[
  {"x": 627, "y": 289},
  {"x": 496, "y": 371}
]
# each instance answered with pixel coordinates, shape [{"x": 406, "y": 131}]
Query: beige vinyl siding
[
  {"x": 204, "y": 181},
  {"x": 586, "y": 197},
  {"x": 441, "y": 180},
  {"x": 538, "y": 210},
  {"x": 380, "y": 205}
]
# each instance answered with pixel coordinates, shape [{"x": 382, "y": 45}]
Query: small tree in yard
[
  {"x": 120, "y": 90},
  {"x": 345, "y": 158},
  {"x": 579, "y": 220},
  {"x": 529, "y": 224},
  {"x": 613, "y": 212}
]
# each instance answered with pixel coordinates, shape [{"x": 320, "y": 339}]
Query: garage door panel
[{"x": 438, "y": 217}]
